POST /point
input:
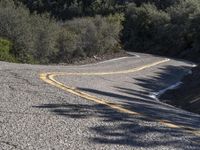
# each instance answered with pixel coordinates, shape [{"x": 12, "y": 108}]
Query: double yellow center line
[{"x": 50, "y": 79}]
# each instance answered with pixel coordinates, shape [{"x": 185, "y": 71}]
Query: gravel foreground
[{"x": 35, "y": 115}]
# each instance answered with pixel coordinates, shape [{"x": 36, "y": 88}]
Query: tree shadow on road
[
  {"x": 137, "y": 131},
  {"x": 139, "y": 100},
  {"x": 163, "y": 78},
  {"x": 121, "y": 129}
]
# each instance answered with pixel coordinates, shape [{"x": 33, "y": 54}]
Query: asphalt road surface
[{"x": 95, "y": 106}]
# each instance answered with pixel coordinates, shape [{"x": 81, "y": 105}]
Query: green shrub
[
  {"x": 161, "y": 4},
  {"x": 96, "y": 35},
  {"x": 45, "y": 32},
  {"x": 14, "y": 26},
  {"x": 5, "y": 51},
  {"x": 180, "y": 34},
  {"x": 173, "y": 31},
  {"x": 67, "y": 45},
  {"x": 33, "y": 36},
  {"x": 68, "y": 9},
  {"x": 40, "y": 39},
  {"x": 142, "y": 26}
]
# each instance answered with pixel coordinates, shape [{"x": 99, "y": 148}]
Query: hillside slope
[{"x": 187, "y": 96}]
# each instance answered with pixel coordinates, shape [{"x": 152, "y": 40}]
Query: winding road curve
[{"x": 96, "y": 106}]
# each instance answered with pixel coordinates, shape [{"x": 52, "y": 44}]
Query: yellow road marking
[
  {"x": 110, "y": 73},
  {"x": 49, "y": 78}
]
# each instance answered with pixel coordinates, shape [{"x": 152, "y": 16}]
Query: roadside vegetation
[
  {"x": 60, "y": 31},
  {"x": 172, "y": 31},
  {"x": 40, "y": 38},
  {"x": 5, "y": 50}
]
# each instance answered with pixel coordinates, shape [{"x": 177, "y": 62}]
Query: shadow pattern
[{"x": 124, "y": 129}]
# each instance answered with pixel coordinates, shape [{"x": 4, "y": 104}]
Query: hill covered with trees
[
  {"x": 67, "y": 9},
  {"x": 171, "y": 31},
  {"x": 43, "y": 31},
  {"x": 37, "y": 37}
]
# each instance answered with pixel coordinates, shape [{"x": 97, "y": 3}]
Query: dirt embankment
[{"x": 187, "y": 96}]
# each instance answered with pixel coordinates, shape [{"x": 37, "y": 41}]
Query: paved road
[{"x": 39, "y": 115}]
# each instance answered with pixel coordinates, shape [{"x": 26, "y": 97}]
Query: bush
[
  {"x": 160, "y": 4},
  {"x": 68, "y": 9},
  {"x": 40, "y": 39},
  {"x": 67, "y": 45},
  {"x": 142, "y": 26},
  {"x": 173, "y": 31},
  {"x": 181, "y": 32},
  {"x": 45, "y": 32},
  {"x": 5, "y": 51},
  {"x": 33, "y": 36},
  {"x": 96, "y": 35},
  {"x": 14, "y": 26}
]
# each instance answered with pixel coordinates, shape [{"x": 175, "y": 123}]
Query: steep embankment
[{"x": 187, "y": 96}]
